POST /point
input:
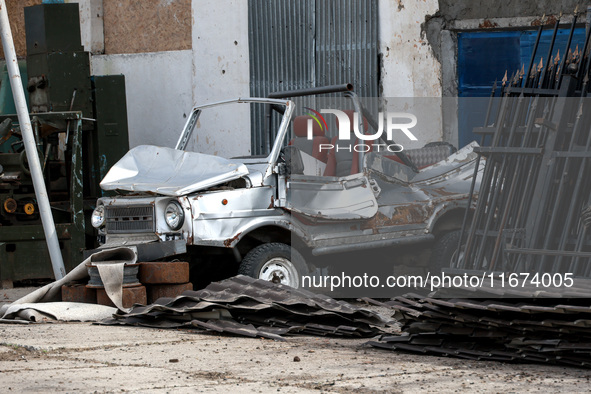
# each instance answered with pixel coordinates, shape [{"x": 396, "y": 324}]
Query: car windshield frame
[{"x": 280, "y": 136}]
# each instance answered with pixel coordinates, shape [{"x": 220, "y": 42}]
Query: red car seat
[
  {"x": 342, "y": 158},
  {"x": 311, "y": 147}
]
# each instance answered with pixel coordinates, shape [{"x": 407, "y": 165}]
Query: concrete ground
[{"x": 81, "y": 357}]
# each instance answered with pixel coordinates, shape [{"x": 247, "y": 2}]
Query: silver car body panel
[
  {"x": 169, "y": 172},
  {"x": 344, "y": 198}
]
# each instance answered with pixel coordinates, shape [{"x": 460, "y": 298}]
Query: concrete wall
[
  {"x": 159, "y": 96},
  {"x": 221, "y": 71},
  {"x": 162, "y": 87}
]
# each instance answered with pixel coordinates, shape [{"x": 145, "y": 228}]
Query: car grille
[{"x": 131, "y": 219}]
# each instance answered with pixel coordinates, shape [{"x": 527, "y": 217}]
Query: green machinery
[{"x": 80, "y": 126}]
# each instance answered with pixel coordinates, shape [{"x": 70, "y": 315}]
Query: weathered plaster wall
[
  {"x": 159, "y": 95},
  {"x": 484, "y": 9},
  {"x": 409, "y": 67}
]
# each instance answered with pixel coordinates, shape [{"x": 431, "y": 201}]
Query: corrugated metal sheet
[
  {"x": 544, "y": 330},
  {"x": 346, "y": 44},
  {"x": 297, "y": 44},
  {"x": 255, "y": 308}
]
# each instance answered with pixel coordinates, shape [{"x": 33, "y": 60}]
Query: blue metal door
[{"x": 484, "y": 56}]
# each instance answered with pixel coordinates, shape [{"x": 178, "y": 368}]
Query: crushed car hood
[{"x": 169, "y": 172}]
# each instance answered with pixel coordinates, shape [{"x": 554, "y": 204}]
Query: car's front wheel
[{"x": 275, "y": 262}]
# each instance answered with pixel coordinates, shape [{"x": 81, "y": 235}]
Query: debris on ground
[
  {"x": 62, "y": 311},
  {"x": 543, "y": 330},
  {"x": 255, "y": 308},
  {"x": 43, "y": 303}
]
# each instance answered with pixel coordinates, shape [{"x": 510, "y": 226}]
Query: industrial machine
[{"x": 80, "y": 127}]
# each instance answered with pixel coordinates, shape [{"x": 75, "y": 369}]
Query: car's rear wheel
[
  {"x": 444, "y": 250},
  {"x": 275, "y": 262}
]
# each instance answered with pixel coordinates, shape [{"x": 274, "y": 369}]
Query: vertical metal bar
[
  {"x": 550, "y": 49},
  {"x": 489, "y": 171},
  {"x": 533, "y": 53},
  {"x": 77, "y": 203},
  {"x": 513, "y": 188},
  {"x": 582, "y": 65},
  {"x": 561, "y": 189},
  {"x": 20, "y": 102},
  {"x": 474, "y": 177},
  {"x": 565, "y": 55}
]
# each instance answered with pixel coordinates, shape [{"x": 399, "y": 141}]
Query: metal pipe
[
  {"x": 312, "y": 91},
  {"x": 20, "y": 102}
]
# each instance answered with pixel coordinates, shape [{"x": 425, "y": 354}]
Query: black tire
[
  {"x": 275, "y": 262},
  {"x": 444, "y": 249}
]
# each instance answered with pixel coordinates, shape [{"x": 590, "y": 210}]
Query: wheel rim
[
  {"x": 280, "y": 270},
  {"x": 454, "y": 256}
]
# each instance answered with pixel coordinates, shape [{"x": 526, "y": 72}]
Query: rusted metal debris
[
  {"x": 540, "y": 330},
  {"x": 255, "y": 308}
]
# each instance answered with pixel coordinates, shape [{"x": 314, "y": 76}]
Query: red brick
[
  {"x": 158, "y": 272},
  {"x": 131, "y": 295},
  {"x": 158, "y": 291},
  {"x": 78, "y": 293}
]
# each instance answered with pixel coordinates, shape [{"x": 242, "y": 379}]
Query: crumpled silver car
[{"x": 274, "y": 214}]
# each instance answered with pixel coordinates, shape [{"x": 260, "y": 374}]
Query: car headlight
[
  {"x": 174, "y": 215},
  {"x": 98, "y": 216}
]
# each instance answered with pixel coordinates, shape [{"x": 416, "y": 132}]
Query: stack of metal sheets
[
  {"x": 538, "y": 330},
  {"x": 256, "y": 308}
]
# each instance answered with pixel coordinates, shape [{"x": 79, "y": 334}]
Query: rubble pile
[{"x": 255, "y": 308}]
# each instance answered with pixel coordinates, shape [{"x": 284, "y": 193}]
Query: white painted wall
[{"x": 159, "y": 96}]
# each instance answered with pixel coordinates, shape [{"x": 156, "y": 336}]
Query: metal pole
[{"x": 20, "y": 102}]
